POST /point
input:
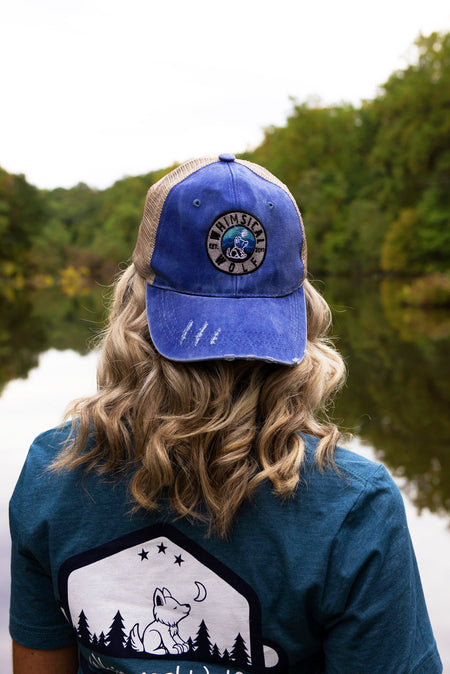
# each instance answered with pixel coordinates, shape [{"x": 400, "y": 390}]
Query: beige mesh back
[
  {"x": 264, "y": 173},
  {"x": 154, "y": 204}
]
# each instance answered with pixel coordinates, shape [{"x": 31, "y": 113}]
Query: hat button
[{"x": 227, "y": 157}]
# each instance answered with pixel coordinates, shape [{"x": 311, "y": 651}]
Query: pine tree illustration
[
  {"x": 83, "y": 629},
  {"x": 94, "y": 642},
  {"x": 190, "y": 645},
  {"x": 239, "y": 653},
  {"x": 226, "y": 657},
  {"x": 102, "y": 640},
  {"x": 215, "y": 653},
  {"x": 129, "y": 646},
  {"x": 116, "y": 636},
  {"x": 202, "y": 644}
]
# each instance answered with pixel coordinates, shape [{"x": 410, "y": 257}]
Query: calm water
[{"x": 396, "y": 404}]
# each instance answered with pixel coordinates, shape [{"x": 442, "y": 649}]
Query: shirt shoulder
[
  {"x": 347, "y": 462},
  {"x": 41, "y": 494},
  {"x": 350, "y": 482}
]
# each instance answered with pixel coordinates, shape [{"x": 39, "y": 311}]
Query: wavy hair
[{"x": 207, "y": 433}]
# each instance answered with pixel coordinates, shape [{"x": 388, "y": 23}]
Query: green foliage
[
  {"x": 21, "y": 217},
  {"x": 413, "y": 126},
  {"x": 365, "y": 226},
  {"x": 72, "y": 218},
  {"x": 120, "y": 214},
  {"x": 372, "y": 183},
  {"x": 400, "y": 251},
  {"x": 366, "y": 179},
  {"x": 411, "y": 158},
  {"x": 91, "y": 228}
]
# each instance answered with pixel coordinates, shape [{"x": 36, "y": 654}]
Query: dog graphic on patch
[{"x": 161, "y": 636}]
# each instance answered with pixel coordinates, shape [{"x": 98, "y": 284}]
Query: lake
[{"x": 395, "y": 403}]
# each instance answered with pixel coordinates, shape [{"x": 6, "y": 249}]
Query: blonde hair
[{"x": 208, "y": 432}]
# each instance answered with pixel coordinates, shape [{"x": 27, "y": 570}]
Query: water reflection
[
  {"x": 33, "y": 322},
  {"x": 398, "y": 393},
  {"x": 22, "y": 338}
]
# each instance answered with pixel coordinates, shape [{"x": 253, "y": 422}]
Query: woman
[{"x": 197, "y": 514}]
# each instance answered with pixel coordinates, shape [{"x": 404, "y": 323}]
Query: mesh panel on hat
[
  {"x": 264, "y": 173},
  {"x": 154, "y": 203}
]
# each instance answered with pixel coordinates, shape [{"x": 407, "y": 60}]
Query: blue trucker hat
[{"x": 222, "y": 248}]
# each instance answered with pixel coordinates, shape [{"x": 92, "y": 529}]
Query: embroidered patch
[{"x": 236, "y": 243}]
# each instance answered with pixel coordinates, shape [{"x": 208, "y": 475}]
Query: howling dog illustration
[{"x": 161, "y": 636}]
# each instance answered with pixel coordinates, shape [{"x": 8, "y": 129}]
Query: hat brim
[{"x": 192, "y": 328}]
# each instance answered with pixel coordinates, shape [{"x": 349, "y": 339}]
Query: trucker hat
[{"x": 222, "y": 248}]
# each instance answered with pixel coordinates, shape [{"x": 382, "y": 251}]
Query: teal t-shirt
[{"x": 323, "y": 582}]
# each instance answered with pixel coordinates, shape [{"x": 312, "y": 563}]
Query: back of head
[{"x": 215, "y": 358}]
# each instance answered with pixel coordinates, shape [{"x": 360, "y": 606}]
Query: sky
[{"x": 94, "y": 90}]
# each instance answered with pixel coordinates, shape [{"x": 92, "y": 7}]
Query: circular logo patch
[{"x": 236, "y": 243}]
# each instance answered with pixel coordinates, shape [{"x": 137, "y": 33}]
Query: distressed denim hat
[{"x": 222, "y": 248}]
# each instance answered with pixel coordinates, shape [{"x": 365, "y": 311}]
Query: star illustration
[
  {"x": 178, "y": 560},
  {"x": 143, "y": 555},
  {"x": 162, "y": 548}
]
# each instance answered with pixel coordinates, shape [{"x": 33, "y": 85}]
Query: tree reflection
[
  {"x": 398, "y": 395},
  {"x": 22, "y": 338},
  {"x": 396, "y": 398},
  {"x": 32, "y": 322}
]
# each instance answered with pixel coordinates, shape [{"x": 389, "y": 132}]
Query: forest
[
  {"x": 372, "y": 183},
  {"x": 373, "y": 186}
]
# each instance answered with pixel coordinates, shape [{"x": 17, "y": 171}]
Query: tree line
[
  {"x": 372, "y": 183},
  {"x": 118, "y": 644}
]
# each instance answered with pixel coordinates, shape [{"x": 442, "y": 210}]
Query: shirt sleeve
[
  {"x": 36, "y": 620},
  {"x": 375, "y": 615}
]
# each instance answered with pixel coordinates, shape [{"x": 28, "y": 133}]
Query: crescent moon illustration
[{"x": 201, "y": 591}]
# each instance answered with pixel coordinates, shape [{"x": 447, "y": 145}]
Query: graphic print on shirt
[{"x": 157, "y": 594}]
